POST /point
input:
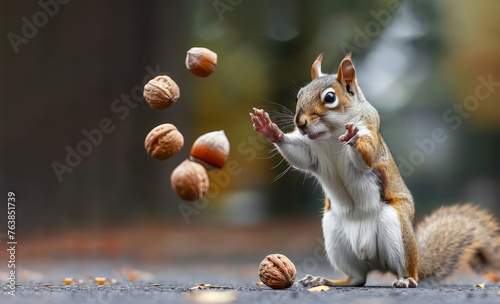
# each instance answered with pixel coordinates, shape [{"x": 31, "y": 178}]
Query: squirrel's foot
[
  {"x": 314, "y": 281},
  {"x": 351, "y": 136},
  {"x": 262, "y": 123},
  {"x": 405, "y": 283}
]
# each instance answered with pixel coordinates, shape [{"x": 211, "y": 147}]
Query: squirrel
[{"x": 368, "y": 218}]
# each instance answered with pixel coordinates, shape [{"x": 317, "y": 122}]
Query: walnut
[
  {"x": 277, "y": 271},
  {"x": 164, "y": 141},
  {"x": 190, "y": 180},
  {"x": 161, "y": 92}
]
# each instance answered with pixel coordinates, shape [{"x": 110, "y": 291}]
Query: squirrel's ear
[
  {"x": 346, "y": 74},
  {"x": 316, "y": 67}
]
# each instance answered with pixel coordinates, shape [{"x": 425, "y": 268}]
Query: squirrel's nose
[{"x": 300, "y": 119}]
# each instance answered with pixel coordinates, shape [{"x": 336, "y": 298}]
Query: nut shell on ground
[
  {"x": 163, "y": 141},
  {"x": 161, "y": 92},
  {"x": 211, "y": 150},
  {"x": 277, "y": 271},
  {"x": 190, "y": 180},
  {"x": 201, "y": 61}
]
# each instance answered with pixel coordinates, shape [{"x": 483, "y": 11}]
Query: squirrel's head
[{"x": 325, "y": 104}]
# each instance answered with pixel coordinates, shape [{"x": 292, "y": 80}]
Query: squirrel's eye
[{"x": 329, "y": 98}]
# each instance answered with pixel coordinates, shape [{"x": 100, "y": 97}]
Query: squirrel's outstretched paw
[
  {"x": 262, "y": 123},
  {"x": 405, "y": 283},
  {"x": 351, "y": 136}
]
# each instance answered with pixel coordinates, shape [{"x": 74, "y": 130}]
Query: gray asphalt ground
[
  {"x": 247, "y": 293},
  {"x": 172, "y": 284}
]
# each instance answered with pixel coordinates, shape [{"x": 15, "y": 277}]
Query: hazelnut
[
  {"x": 277, "y": 271},
  {"x": 164, "y": 141},
  {"x": 189, "y": 180},
  {"x": 161, "y": 92},
  {"x": 211, "y": 150},
  {"x": 201, "y": 61}
]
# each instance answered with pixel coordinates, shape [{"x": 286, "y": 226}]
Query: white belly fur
[{"x": 361, "y": 232}]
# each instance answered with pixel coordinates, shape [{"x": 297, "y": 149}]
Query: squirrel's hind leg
[{"x": 313, "y": 281}]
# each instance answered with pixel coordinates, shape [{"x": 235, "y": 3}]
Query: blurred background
[{"x": 66, "y": 66}]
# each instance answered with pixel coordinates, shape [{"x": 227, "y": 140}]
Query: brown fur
[
  {"x": 394, "y": 192},
  {"x": 316, "y": 67},
  {"x": 327, "y": 204},
  {"x": 344, "y": 98},
  {"x": 456, "y": 236},
  {"x": 340, "y": 282},
  {"x": 405, "y": 211},
  {"x": 310, "y": 107},
  {"x": 346, "y": 74},
  {"x": 315, "y": 110},
  {"x": 367, "y": 148}
]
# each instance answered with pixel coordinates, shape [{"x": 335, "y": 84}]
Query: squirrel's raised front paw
[
  {"x": 262, "y": 123},
  {"x": 405, "y": 283},
  {"x": 351, "y": 136}
]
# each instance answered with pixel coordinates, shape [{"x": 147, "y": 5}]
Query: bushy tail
[{"x": 458, "y": 235}]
